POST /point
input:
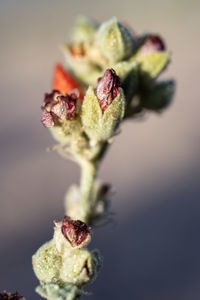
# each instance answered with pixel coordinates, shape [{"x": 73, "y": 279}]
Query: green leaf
[
  {"x": 153, "y": 64},
  {"x": 159, "y": 96}
]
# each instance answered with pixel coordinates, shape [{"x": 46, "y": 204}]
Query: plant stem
[{"x": 88, "y": 174}]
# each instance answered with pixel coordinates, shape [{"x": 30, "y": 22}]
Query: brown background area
[{"x": 151, "y": 251}]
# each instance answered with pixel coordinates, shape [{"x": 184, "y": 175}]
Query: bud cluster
[
  {"x": 110, "y": 75},
  {"x": 65, "y": 259},
  {"x": 119, "y": 66}
]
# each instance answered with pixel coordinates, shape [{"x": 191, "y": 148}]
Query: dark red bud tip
[
  {"x": 58, "y": 107},
  {"x": 107, "y": 88},
  {"x": 76, "y": 232},
  {"x": 9, "y": 296},
  {"x": 153, "y": 43}
]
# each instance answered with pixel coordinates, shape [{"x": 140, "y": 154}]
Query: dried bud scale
[
  {"x": 107, "y": 88},
  {"x": 76, "y": 232}
]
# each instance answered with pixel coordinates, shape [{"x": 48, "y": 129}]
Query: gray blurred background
[{"x": 152, "y": 249}]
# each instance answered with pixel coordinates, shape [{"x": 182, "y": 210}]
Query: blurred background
[{"x": 152, "y": 249}]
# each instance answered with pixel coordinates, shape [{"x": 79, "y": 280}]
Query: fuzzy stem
[{"x": 88, "y": 174}]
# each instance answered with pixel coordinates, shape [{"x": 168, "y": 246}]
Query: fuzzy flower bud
[
  {"x": 46, "y": 263},
  {"x": 152, "y": 43},
  {"x": 58, "y": 107},
  {"x": 115, "y": 41},
  {"x": 9, "y": 296},
  {"x": 103, "y": 107},
  {"x": 151, "y": 55}
]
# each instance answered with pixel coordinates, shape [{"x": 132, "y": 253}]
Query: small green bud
[
  {"x": 46, "y": 263},
  {"x": 158, "y": 96},
  {"x": 103, "y": 107},
  {"x": 115, "y": 41},
  {"x": 80, "y": 267},
  {"x": 84, "y": 29},
  {"x": 53, "y": 291}
]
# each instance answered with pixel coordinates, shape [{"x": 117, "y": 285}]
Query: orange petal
[{"x": 64, "y": 82}]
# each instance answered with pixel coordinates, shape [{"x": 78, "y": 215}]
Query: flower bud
[
  {"x": 115, "y": 41},
  {"x": 151, "y": 55},
  {"x": 60, "y": 115},
  {"x": 84, "y": 29},
  {"x": 9, "y": 296},
  {"x": 46, "y": 263},
  {"x": 159, "y": 96},
  {"x": 70, "y": 234},
  {"x": 103, "y": 107},
  {"x": 58, "y": 107},
  {"x": 54, "y": 291},
  {"x": 80, "y": 267},
  {"x": 152, "y": 43}
]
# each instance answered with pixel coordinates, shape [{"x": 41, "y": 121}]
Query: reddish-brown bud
[
  {"x": 107, "y": 88},
  {"x": 76, "y": 232},
  {"x": 9, "y": 296},
  {"x": 152, "y": 43},
  {"x": 58, "y": 107}
]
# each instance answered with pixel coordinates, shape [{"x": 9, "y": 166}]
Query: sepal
[{"x": 98, "y": 125}]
